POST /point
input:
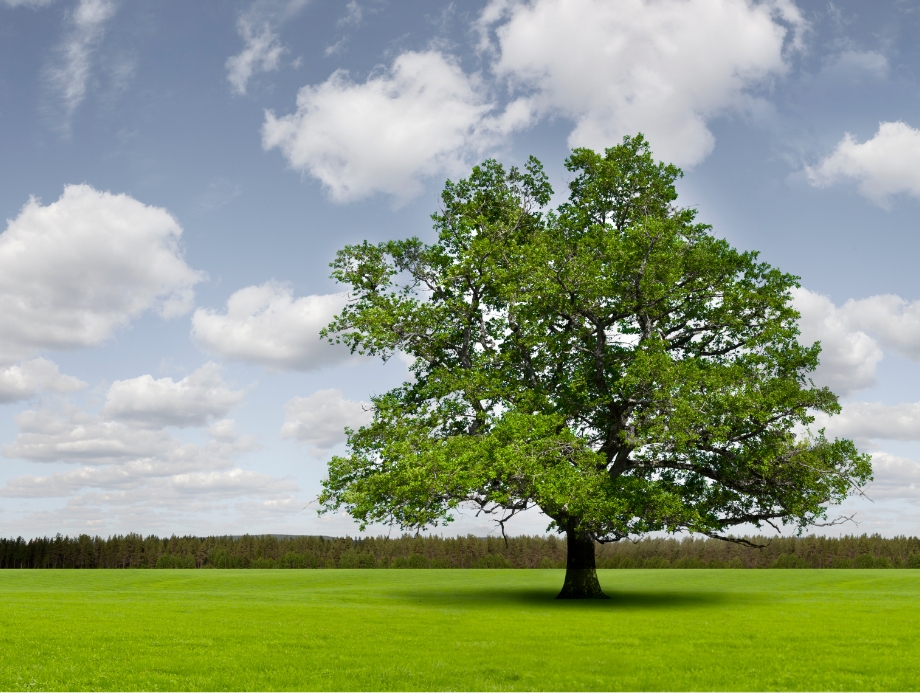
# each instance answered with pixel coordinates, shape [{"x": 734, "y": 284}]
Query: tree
[{"x": 611, "y": 362}]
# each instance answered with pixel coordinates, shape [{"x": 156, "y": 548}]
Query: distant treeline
[{"x": 270, "y": 551}]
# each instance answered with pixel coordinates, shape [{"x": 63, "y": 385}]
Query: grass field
[{"x": 458, "y": 629}]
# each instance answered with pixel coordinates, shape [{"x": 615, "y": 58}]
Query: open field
[{"x": 458, "y": 629}]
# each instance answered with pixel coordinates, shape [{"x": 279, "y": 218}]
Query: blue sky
[{"x": 177, "y": 176}]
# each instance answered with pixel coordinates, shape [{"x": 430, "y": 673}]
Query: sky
[{"x": 176, "y": 177}]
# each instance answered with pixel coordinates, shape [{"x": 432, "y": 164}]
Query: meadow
[{"x": 458, "y": 629}]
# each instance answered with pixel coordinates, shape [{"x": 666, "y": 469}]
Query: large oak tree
[{"x": 611, "y": 362}]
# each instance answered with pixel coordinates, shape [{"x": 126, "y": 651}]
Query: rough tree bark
[{"x": 580, "y": 568}]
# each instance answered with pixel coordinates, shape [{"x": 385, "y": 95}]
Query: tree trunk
[{"x": 580, "y": 569}]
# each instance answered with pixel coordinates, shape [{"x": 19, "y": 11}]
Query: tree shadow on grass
[{"x": 618, "y": 599}]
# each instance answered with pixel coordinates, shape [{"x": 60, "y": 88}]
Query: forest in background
[{"x": 273, "y": 551}]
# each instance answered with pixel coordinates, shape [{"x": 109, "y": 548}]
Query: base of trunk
[
  {"x": 581, "y": 584},
  {"x": 580, "y": 573}
]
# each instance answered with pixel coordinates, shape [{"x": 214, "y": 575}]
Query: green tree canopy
[{"x": 610, "y": 362}]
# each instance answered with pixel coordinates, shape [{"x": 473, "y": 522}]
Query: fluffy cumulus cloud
[
  {"x": 421, "y": 117},
  {"x": 886, "y": 165},
  {"x": 75, "y": 270},
  {"x": 892, "y": 319},
  {"x": 867, "y": 422},
  {"x": 895, "y": 477},
  {"x": 121, "y": 477},
  {"x": 853, "y": 335},
  {"x": 72, "y": 435},
  {"x": 143, "y": 475},
  {"x": 70, "y": 75},
  {"x": 192, "y": 401},
  {"x": 266, "y": 325},
  {"x": 849, "y": 356},
  {"x": 662, "y": 67},
  {"x": 223, "y": 430},
  {"x": 131, "y": 426},
  {"x": 320, "y": 419},
  {"x": 32, "y": 377}
]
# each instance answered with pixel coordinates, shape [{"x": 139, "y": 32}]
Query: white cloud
[
  {"x": 662, "y": 67},
  {"x": 147, "y": 488},
  {"x": 75, "y": 270},
  {"x": 870, "y": 421},
  {"x": 422, "y": 117},
  {"x": 263, "y": 52},
  {"x": 262, "y": 48},
  {"x": 852, "y": 335},
  {"x": 71, "y": 76},
  {"x": 849, "y": 356},
  {"x": 192, "y": 401},
  {"x": 139, "y": 471},
  {"x": 232, "y": 483},
  {"x": 223, "y": 430},
  {"x": 353, "y": 14},
  {"x": 895, "y": 321},
  {"x": 32, "y": 377},
  {"x": 895, "y": 477},
  {"x": 48, "y": 435},
  {"x": 71, "y": 435},
  {"x": 320, "y": 419},
  {"x": 886, "y": 165},
  {"x": 129, "y": 475},
  {"x": 267, "y": 325}
]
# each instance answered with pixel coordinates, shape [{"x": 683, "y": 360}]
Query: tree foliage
[{"x": 611, "y": 362}]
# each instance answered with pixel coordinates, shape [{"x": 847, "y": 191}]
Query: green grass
[{"x": 458, "y": 629}]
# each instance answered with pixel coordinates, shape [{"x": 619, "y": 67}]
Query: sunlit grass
[{"x": 458, "y": 629}]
